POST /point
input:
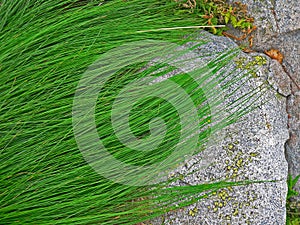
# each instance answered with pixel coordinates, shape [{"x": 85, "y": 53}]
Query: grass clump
[
  {"x": 293, "y": 207},
  {"x": 46, "y": 47}
]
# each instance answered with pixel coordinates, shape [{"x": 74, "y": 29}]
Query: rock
[
  {"x": 293, "y": 144},
  {"x": 288, "y": 44},
  {"x": 274, "y": 17},
  {"x": 278, "y": 28},
  {"x": 251, "y": 149},
  {"x": 263, "y": 13},
  {"x": 287, "y": 15}
]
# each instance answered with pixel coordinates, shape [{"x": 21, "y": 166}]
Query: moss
[
  {"x": 230, "y": 146},
  {"x": 236, "y": 161},
  {"x": 193, "y": 212},
  {"x": 250, "y": 65},
  {"x": 235, "y": 212}
]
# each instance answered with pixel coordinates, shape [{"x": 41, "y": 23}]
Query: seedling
[
  {"x": 218, "y": 12},
  {"x": 293, "y": 207}
]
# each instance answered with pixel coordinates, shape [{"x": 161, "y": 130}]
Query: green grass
[
  {"x": 45, "y": 48},
  {"x": 293, "y": 207}
]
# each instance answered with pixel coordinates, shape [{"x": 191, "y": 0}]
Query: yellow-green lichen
[
  {"x": 235, "y": 165},
  {"x": 235, "y": 212},
  {"x": 193, "y": 212},
  {"x": 260, "y": 60},
  {"x": 250, "y": 65},
  {"x": 254, "y": 154}
]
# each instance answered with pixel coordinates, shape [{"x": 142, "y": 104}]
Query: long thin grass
[{"x": 45, "y": 48}]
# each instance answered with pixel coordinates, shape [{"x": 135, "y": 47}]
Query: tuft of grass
[
  {"x": 218, "y": 12},
  {"x": 46, "y": 47},
  {"x": 293, "y": 208}
]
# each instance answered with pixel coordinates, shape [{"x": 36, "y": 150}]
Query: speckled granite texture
[
  {"x": 258, "y": 146},
  {"x": 252, "y": 149},
  {"x": 278, "y": 23}
]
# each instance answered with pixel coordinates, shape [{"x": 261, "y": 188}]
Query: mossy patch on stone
[{"x": 251, "y": 65}]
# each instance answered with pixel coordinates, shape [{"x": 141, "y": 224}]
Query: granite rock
[
  {"x": 278, "y": 27},
  {"x": 251, "y": 149},
  {"x": 293, "y": 144},
  {"x": 287, "y": 13},
  {"x": 274, "y": 17}
]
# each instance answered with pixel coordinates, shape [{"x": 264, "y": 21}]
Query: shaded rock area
[
  {"x": 251, "y": 149},
  {"x": 278, "y": 24}
]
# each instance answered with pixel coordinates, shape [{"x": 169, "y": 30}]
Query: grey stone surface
[
  {"x": 278, "y": 23},
  {"x": 274, "y": 16},
  {"x": 252, "y": 149},
  {"x": 287, "y": 13},
  {"x": 289, "y": 45},
  {"x": 278, "y": 27},
  {"x": 293, "y": 144},
  {"x": 279, "y": 80},
  {"x": 264, "y": 16}
]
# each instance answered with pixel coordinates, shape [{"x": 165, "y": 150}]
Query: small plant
[
  {"x": 291, "y": 184},
  {"x": 293, "y": 208},
  {"x": 217, "y": 12}
]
